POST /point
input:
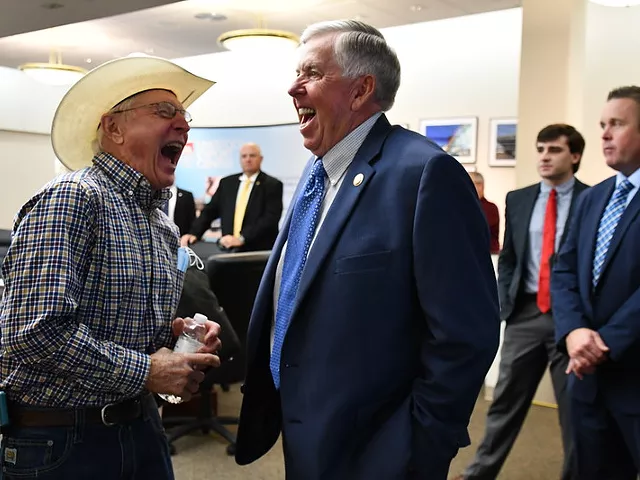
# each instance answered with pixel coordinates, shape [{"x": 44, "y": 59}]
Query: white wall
[
  {"x": 456, "y": 67},
  {"x": 27, "y": 164}
]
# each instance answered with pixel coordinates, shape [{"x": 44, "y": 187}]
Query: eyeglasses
[{"x": 163, "y": 109}]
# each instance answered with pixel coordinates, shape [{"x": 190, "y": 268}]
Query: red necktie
[{"x": 548, "y": 248}]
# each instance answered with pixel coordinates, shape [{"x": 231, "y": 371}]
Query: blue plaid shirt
[{"x": 91, "y": 288}]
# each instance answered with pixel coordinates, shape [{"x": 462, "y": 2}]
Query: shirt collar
[
  {"x": 561, "y": 189},
  {"x": 131, "y": 182},
  {"x": 252, "y": 178},
  {"x": 337, "y": 160},
  {"x": 634, "y": 178}
]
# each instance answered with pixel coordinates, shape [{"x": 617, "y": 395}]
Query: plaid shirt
[{"x": 91, "y": 287}]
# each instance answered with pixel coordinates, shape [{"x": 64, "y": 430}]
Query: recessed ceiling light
[
  {"x": 88, "y": 60},
  {"x": 416, "y": 8},
  {"x": 52, "y": 5},
  {"x": 214, "y": 17}
]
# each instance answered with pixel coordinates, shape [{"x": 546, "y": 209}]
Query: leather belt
[{"x": 109, "y": 415}]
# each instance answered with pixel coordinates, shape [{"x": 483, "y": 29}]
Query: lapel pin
[{"x": 357, "y": 180}]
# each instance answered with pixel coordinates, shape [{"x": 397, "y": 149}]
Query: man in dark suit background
[
  {"x": 181, "y": 208},
  {"x": 359, "y": 349},
  {"x": 536, "y": 225},
  {"x": 596, "y": 302},
  {"x": 249, "y": 205}
]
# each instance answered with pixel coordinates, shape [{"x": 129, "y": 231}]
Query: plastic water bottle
[{"x": 191, "y": 339}]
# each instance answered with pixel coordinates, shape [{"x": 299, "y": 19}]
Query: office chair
[
  {"x": 5, "y": 241},
  {"x": 234, "y": 278}
]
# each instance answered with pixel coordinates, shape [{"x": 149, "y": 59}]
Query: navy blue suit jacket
[
  {"x": 612, "y": 308},
  {"x": 395, "y": 324}
]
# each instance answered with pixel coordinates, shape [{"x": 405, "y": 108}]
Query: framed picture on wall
[
  {"x": 502, "y": 144},
  {"x": 456, "y": 136}
]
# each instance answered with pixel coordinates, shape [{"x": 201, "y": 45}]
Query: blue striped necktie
[
  {"x": 304, "y": 220},
  {"x": 608, "y": 223}
]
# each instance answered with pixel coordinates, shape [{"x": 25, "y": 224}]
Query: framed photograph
[
  {"x": 502, "y": 144},
  {"x": 456, "y": 136}
]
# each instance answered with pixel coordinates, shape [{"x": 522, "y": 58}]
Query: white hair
[{"x": 359, "y": 50}]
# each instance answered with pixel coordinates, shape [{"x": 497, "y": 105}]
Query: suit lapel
[
  {"x": 592, "y": 223},
  {"x": 578, "y": 187},
  {"x": 629, "y": 214},
  {"x": 526, "y": 209},
  {"x": 343, "y": 205},
  {"x": 255, "y": 191}
]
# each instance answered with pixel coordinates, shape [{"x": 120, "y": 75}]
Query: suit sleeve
[
  {"x": 456, "y": 286},
  {"x": 507, "y": 259},
  {"x": 209, "y": 213},
  {"x": 268, "y": 222},
  {"x": 623, "y": 328},
  {"x": 566, "y": 305}
]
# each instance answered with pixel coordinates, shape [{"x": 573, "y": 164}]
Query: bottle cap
[{"x": 200, "y": 318}]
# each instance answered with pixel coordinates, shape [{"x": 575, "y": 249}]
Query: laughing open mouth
[
  {"x": 172, "y": 151},
  {"x": 305, "y": 115}
]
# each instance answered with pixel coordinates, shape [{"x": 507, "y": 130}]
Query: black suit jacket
[
  {"x": 513, "y": 257},
  {"x": 264, "y": 209},
  {"x": 185, "y": 211}
]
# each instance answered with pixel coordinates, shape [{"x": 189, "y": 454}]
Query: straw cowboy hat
[{"x": 77, "y": 118}]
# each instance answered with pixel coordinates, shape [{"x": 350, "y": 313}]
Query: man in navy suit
[
  {"x": 377, "y": 317},
  {"x": 537, "y": 221},
  {"x": 596, "y": 303}
]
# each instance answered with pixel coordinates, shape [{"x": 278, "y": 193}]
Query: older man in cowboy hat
[{"x": 92, "y": 280}]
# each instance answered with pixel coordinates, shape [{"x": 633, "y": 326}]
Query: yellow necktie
[{"x": 241, "y": 206}]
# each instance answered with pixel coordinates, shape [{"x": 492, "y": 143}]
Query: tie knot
[
  {"x": 553, "y": 193},
  {"x": 625, "y": 187},
  {"x": 318, "y": 169}
]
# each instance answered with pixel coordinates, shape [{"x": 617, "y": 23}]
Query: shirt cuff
[{"x": 132, "y": 375}]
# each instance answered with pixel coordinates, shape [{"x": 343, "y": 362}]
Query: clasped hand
[
  {"x": 586, "y": 350},
  {"x": 181, "y": 373}
]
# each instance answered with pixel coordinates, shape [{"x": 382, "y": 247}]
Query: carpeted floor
[{"x": 537, "y": 455}]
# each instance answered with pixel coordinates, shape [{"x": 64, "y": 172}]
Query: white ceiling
[{"x": 101, "y": 30}]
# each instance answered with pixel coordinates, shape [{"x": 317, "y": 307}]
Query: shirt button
[{"x": 130, "y": 192}]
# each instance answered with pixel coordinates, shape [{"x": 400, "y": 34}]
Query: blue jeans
[{"x": 135, "y": 451}]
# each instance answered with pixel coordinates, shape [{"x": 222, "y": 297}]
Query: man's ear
[
  {"x": 364, "y": 91},
  {"x": 112, "y": 128}
]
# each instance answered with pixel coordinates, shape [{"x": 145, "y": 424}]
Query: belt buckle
[{"x": 103, "y": 415}]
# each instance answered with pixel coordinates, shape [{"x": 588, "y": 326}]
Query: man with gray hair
[{"x": 360, "y": 350}]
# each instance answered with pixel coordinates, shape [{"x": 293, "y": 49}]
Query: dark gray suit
[{"x": 528, "y": 347}]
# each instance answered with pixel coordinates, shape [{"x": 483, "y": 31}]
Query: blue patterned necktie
[
  {"x": 608, "y": 223},
  {"x": 165, "y": 207},
  {"x": 304, "y": 220}
]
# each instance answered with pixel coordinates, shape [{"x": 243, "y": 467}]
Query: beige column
[{"x": 552, "y": 68}]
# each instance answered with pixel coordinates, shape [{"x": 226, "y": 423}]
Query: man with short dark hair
[
  {"x": 93, "y": 277},
  {"x": 596, "y": 302},
  {"x": 536, "y": 225},
  {"x": 491, "y": 212},
  {"x": 360, "y": 350}
]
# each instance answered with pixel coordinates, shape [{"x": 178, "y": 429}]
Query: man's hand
[
  {"x": 211, "y": 341},
  {"x": 586, "y": 350},
  {"x": 579, "y": 368},
  {"x": 174, "y": 373},
  {"x": 187, "y": 240},
  {"x": 229, "y": 242}
]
